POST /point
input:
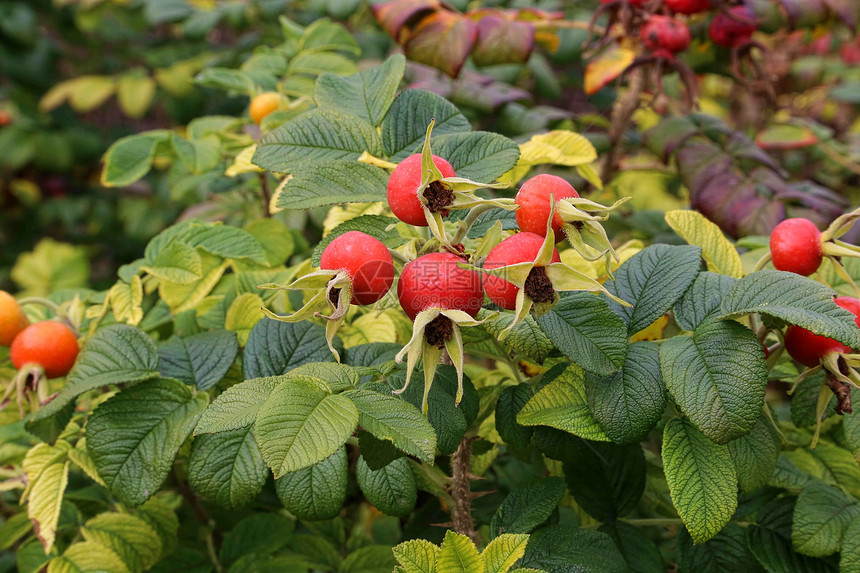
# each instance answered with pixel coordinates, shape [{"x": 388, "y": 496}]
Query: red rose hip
[
  {"x": 367, "y": 262},
  {"x": 662, "y": 34},
  {"x": 403, "y": 186},
  {"x": 688, "y": 6},
  {"x": 732, "y": 31},
  {"x": 51, "y": 345},
  {"x": 795, "y": 246},
  {"x": 533, "y": 199},
  {"x": 518, "y": 248},
  {"x": 808, "y": 348},
  {"x": 435, "y": 280}
]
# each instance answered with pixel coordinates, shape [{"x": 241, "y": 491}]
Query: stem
[
  {"x": 762, "y": 262},
  {"x": 398, "y": 256},
  {"x": 267, "y": 194},
  {"x": 467, "y": 223},
  {"x": 39, "y": 300},
  {"x": 622, "y": 113},
  {"x": 213, "y": 533},
  {"x": 461, "y": 513}
]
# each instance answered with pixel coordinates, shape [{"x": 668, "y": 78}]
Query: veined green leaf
[
  {"x": 201, "y": 360},
  {"x": 405, "y": 125},
  {"x": 316, "y": 492},
  {"x": 391, "y": 489},
  {"x": 227, "y": 467},
  {"x": 719, "y": 253},
  {"x": 701, "y": 479},
  {"x": 367, "y": 94},
  {"x": 458, "y": 554},
  {"x": 130, "y": 537},
  {"x": 821, "y": 516}
]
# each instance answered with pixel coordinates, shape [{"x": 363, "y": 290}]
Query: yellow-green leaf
[
  {"x": 180, "y": 297},
  {"x": 503, "y": 551},
  {"x": 242, "y": 163},
  {"x": 371, "y": 327},
  {"x": 458, "y": 555},
  {"x": 719, "y": 253},
  {"x": 243, "y": 314},
  {"x": 50, "y": 267},
  {"x": 130, "y": 537},
  {"x": 85, "y": 557},
  {"x": 126, "y": 299},
  {"x": 47, "y": 471},
  {"x": 134, "y": 93},
  {"x": 416, "y": 556},
  {"x": 607, "y": 66}
]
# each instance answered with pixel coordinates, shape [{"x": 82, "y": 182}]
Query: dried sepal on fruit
[
  {"x": 356, "y": 269},
  {"x": 536, "y": 274},
  {"x": 438, "y": 193}
]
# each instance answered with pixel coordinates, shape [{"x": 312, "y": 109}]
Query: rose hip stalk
[
  {"x": 423, "y": 189},
  {"x": 525, "y": 271},
  {"x": 440, "y": 297},
  {"x": 355, "y": 268}
]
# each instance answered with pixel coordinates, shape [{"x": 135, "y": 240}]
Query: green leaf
[
  {"x": 702, "y": 300},
  {"x": 794, "y": 299},
  {"x": 755, "y": 455},
  {"x": 449, "y": 420},
  {"x": 849, "y": 560},
  {"x": 162, "y": 518},
  {"x": 332, "y": 181},
  {"x": 260, "y": 533},
  {"x": 502, "y": 552},
  {"x": 244, "y": 313},
  {"x": 226, "y": 79},
  {"x": 325, "y": 35},
  {"x": 566, "y": 549},
  {"x": 223, "y": 241},
  {"x": 276, "y": 347},
  {"x": 726, "y": 551},
  {"x": 336, "y": 377},
  {"x": 391, "y": 489},
  {"x": 562, "y": 404},
  {"x": 275, "y": 237},
  {"x": 369, "y": 559},
  {"x": 130, "y": 158},
  {"x": 317, "y": 135},
  {"x": 821, "y": 516},
  {"x": 227, "y": 467},
  {"x": 201, "y": 360},
  {"x": 367, "y": 94},
  {"x": 416, "y": 556},
  {"x": 395, "y": 420},
  {"x": 300, "y": 425},
  {"x": 583, "y": 327},
  {"x": 718, "y": 378},
  {"x": 405, "y": 125},
  {"x": 46, "y": 469},
  {"x": 652, "y": 281},
  {"x": 86, "y": 556},
  {"x": 701, "y": 479},
  {"x": 177, "y": 262},
  {"x": 14, "y": 529},
  {"x": 133, "y": 437},
  {"x": 477, "y": 155},
  {"x": 526, "y": 338},
  {"x": 770, "y": 541},
  {"x": 629, "y": 403},
  {"x": 130, "y": 537},
  {"x": 115, "y": 354},
  {"x": 510, "y": 403},
  {"x": 829, "y": 463},
  {"x": 198, "y": 155},
  {"x": 606, "y": 480},
  {"x": 804, "y": 403},
  {"x": 376, "y": 226},
  {"x": 458, "y": 554},
  {"x": 638, "y": 549},
  {"x": 719, "y": 253},
  {"x": 317, "y": 492},
  {"x": 237, "y": 406},
  {"x": 527, "y": 506}
]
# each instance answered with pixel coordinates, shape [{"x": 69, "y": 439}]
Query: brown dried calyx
[
  {"x": 538, "y": 286},
  {"x": 438, "y": 331},
  {"x": 439, "y": 197},
  {"x": 843, "y": 395},
  {"x": 334, "y": 296}
]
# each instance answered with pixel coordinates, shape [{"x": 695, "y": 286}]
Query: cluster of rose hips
[
  {"x": 39, "y": 351},
  {"x": 665, "y": 35},
  {"x": 441, "y": 289},
  {"x": 798, "y": 246}
]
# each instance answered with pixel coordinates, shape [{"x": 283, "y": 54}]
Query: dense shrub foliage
[{"x": 429, "y": 287}]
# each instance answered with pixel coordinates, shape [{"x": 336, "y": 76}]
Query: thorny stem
[
  {"x": 622, "y": 113},
  {"x": 461, "y": 513},
  {"x": 267, "y": 194}
]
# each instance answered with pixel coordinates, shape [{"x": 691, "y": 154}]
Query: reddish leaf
[
  {"x": 502, "y": 41},
  {"x": 442, "y": 40},
  {"x": 607, "y": 66},
  {"x": 398, "y": 16},
  {"x": 785, "y": 137},
  {"x": 802, "y": 13}
]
